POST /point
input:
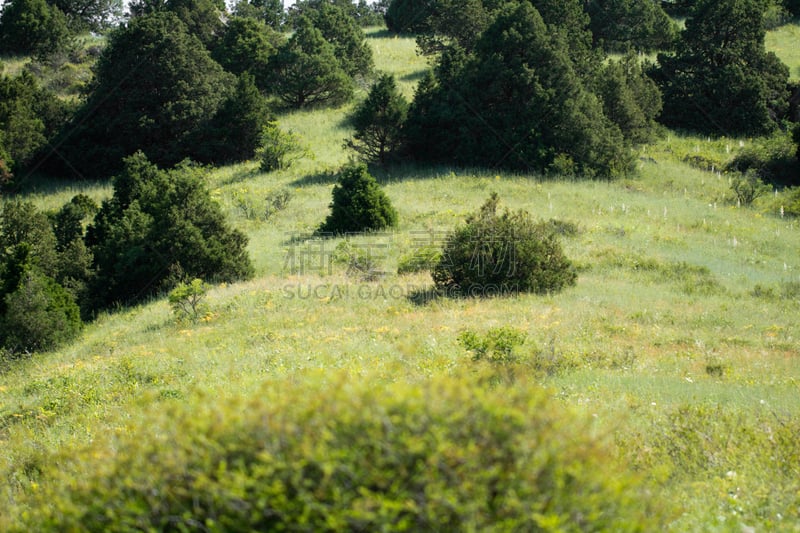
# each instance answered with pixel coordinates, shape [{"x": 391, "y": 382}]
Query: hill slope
[{"x": 679, "y": 343}]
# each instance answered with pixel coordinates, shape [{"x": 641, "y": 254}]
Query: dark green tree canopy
[
  {"x": 246, "y": 45},
  {"x": 630, "y": 98},
  {"x": 270, "y": 12},
  {"x": 32, "y": 27},
  {"x": 94, "y": 15},
  {"x": 159, "y": 226},
  {"x": 517, "y": 103},
  {"x": 306, "y": 71},
  {"x": 359, "y": 204},
  {"x": 29, "y": 117},
  {"x": 379, "y": 121},
  {"x": 642, "y": 24},
  {"x": 203, "y": 18},
  {"x": 341, "y": 30},
  {"x": 36, "y": 312},
  {"x": 408, "y": 16},
  {"x": 155, "y": 89},
  {"x": 721, "y": 80}
]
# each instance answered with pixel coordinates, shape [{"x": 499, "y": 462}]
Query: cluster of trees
[
  {"x": 158, "y": 228},
  {"x": 180, "y": 81},
  {"x": 526, "y": 85},
  {"x": 515, "y": 85},
  {"x": 29, "y": 116},
  {"x": 42, "y": 27}
]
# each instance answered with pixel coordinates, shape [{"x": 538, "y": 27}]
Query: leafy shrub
[
  {"x": 500, "y": 254},
  {"x": 447, "y": 454},
  {"x": 359, "y": 260},
  {"x": 359, "y": 204},
  {"x": 747, "y": 187},
  {"x": 279, "y": 149},
  {"x": 772, "y": 158},
  {"x": 423, "y": 258},
  {"x": 276, "y": 201},
  {"x": 187, "y": 300},
  {"x": 498, "y": 345}
]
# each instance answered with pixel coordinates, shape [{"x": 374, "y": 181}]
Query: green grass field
[{"x": 679, "y": 345}]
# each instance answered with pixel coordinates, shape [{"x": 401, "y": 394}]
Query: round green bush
[
  {"x": 451, "y": 454},
  {"x": 502, "y": 254},
  {"x": 359, "y": 204}
]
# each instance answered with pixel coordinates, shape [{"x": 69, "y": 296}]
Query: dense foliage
[
  {"x": 29, "y": 118},
  {"x": 502, "y": 254},
  {"x": 359, "y": 204},
  {"x": 720, "y": 80},
  {"x": 246, "y": 45},
  {"x": 202, "y": 18},
  {"x": 408, "y": 16},
  {"x": 444, "y": 454},
  {"x": 519, "y": 102},
  {"x": 379, "y": 121},
  {"x": 343, "y": 32},
  {"x": 159, "y": 227},
  {"x": 642, "y": 24},
  {"x": 270, "y": 12},
  {"x": 156, "y": 89},
  {"x": 36, "y": 312},
  {"x": 32, "y": 27},
  {"x": 306, "y": 72}
]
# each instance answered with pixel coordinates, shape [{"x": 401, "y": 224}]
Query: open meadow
[{"x": 677, "y": 352}]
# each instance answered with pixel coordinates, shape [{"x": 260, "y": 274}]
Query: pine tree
[
  {"x": 721, "y": 80},
  {"x": 359, "y": 204},
  {"x": 378, "y": 122},
  {"x": 306, "y": 71}
]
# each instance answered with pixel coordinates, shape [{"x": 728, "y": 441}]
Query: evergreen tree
[
  {"x": 341, "y": 30},
  {"x": 203, "y": 18},
  {"x": 359, "y": 204},
  {"x": 306, "y": 71},
  {"x": 29, "y": 117},
  {"x": 39, "y": 314},
  {"x": 90, "y": 15},
  {"x": 408, "y": 16},
  {"x": 234, "y": 132},
  {"x": 158, "y": 227},
  {"x": 36, "y": 312},
  {"x": 518, "y": 103},
  {"x": 378, "y": 122},
  {"x": 721, "y": 81},
  {"x": 642, "y": 24},
  {"x": 247, "y": 45},
  {"x": 155, "y": 87},
  {"x": 269, "y": 12},
  {"x": 32, "y": 27},
  {"x": 630, "y": 98}
]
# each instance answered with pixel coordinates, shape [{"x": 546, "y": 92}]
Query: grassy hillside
[{"x": 677, "y": 350}]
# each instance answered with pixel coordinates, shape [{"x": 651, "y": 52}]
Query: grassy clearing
[
  {"x": 679, "y": 343},
  {"x": 785, "y": 42}
]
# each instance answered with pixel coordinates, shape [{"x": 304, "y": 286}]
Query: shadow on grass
[
  {"x": 414, "y": 76},
  {"x": 423, "y": 297},
  {"x": 240, "y": 175},
  {"x": 37, "y": 183},
  {"x": 383, "y": 33},
  {"x": 325, "y": 177}
]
